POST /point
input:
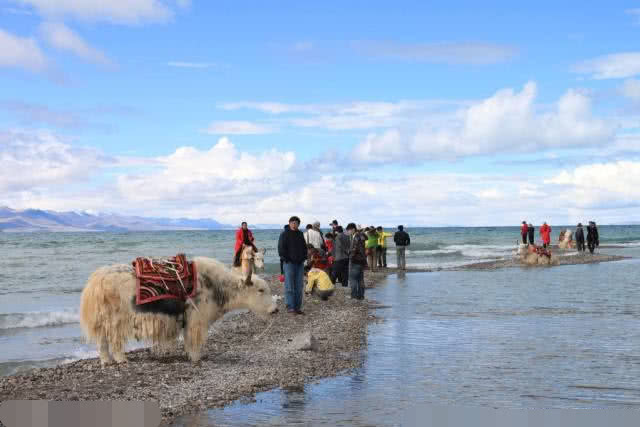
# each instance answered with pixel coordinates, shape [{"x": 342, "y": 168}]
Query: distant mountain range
[{"x": 30, "y": 220}]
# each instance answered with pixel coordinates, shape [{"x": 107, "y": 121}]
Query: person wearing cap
[
  {"x": 293, "y": 250},
  {"x": 402, "y": 240},
  {"x": 524, "y": 231},
  {"x": 531, "y": 230},
  {"x": 545, "y": 233},
  {"x": 334, "y": 225},
  {"x": 580, "y": 238},
  {"x": 382, "y": 247},
  {"x": 357, "y": 261},
  {"x": 313, "y": 236}
]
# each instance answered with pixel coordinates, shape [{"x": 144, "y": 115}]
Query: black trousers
[
  {"x": 524, "y": 239},
  {"x": 530, "y": 239},
  {"x": 340, "y": 271},
  {"x": 580, "y": 246},
  {"x": 592, "y": 246}
]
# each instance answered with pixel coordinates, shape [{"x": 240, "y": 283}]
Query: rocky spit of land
[
  {"x": 244, "y": 354},
  {"x": 570, "y": 259}
]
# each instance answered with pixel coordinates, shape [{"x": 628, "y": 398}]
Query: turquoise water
[
  {"x": 42, "y": 274},
  {"x": 564, "y": 337}
]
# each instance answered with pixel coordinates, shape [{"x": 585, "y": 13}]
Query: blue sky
[{"x": 427, "y": 113}]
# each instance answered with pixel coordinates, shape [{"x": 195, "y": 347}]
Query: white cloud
[
  {"x": 349, "y": 116},
  {"x": 475, "y": 53},
  {"x": 43, "y": 159},
  {"x": 602, "y": 184},
  {"x": 269, "y": 107},
  {"x": 183, "y": 64},
  {"x": 20, "y": 52},
  {"x": 508, "y": 121},
  {"x": 238, "y": 127},
  {"x": 631, "y": 89},
  {"x": 118, "y": 11},
  {"x": 614, "y": 66},
  {"x": 227, "y": 184},
  {"x": 222, "y": 171},
  {"x": 62, "y": 37}
]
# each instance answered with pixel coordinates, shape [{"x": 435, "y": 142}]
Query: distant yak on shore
[{"x": 110, "y": 317}]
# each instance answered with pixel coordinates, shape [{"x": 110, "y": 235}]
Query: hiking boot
[
  {"x": 291, "y": 311},
  {"x": 300, "y": 312}
]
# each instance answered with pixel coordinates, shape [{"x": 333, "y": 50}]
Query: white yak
[{"x": 110, "y": 317}]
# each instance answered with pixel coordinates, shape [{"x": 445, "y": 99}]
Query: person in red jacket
[
  {"x": 524, "y": 229},
  {"x": 545, "y": 233},
  {"x": 243, "y": 236}
]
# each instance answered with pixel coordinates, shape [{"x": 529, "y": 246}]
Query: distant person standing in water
[
  {"x": 524, "y": 231},
  {"x": 593, "y": 239},
  {"x": 545, "y": 233},
  {"x": 402, "y": 240},
  {"x": 580, "y": 238},
  {"x": 530, "y": 230},
  {"x": 244, "y": 236}
]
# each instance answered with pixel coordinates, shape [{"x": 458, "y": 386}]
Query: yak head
[{"x": 255, "y": 295}]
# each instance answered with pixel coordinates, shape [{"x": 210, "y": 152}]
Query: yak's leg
[
  {"x": 195, "y": 332},
  {"x": 103, "y": 348},
  {"x": 117, "y": 350}
]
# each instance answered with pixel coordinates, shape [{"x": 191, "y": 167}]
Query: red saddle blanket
[{"x": 169, "y": 278}]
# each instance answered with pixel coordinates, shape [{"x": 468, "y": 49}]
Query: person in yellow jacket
[
  {"x": 382, "y": 247},
  {"x": 319, "y": 283}
]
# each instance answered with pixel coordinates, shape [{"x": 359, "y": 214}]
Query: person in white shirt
[{"x": 313, "y": 236}]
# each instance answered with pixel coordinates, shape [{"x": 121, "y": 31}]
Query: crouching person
[{"x": 319, "y": 284}]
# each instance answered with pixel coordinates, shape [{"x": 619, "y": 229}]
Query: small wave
[
  {"x": 621, "y": 244},
  {"x": 37, "y": 319},
  {"x": 483, "y": 251}
]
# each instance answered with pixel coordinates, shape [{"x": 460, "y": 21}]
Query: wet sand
[{"x": 244, "y": 355}]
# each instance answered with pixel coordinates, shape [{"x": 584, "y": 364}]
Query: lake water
[
  {"x": 562, "y": 337},
  {"x": 42, "y": 275}
]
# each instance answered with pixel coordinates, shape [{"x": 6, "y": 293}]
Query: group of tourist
[
  {"x": 593, "y": 239},
  {"x": 341, "y": 255}
]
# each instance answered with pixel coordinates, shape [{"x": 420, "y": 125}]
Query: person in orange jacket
[
  {"x": 545, "y": 233},
  {"x": 244, "y": 236}
]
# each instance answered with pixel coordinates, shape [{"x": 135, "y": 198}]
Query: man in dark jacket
[
  {"x": 357, "y": 261},
  {"x": 593, "y": 240},
  {"x": 530, "y": 230},
  {"x": 292, "y": 248},
  {"x": 402, "y": 240},
  {"x": 580, "y": 238},
  {"x": 340, "y": 268}
]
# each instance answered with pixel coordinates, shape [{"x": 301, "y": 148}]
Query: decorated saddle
[
  {"x": 542, "y": 251},
  {"x": 163, "y": 279}
]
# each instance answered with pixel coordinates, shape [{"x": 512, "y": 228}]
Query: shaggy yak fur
[
  {"x": 110, "y": 317},
  {"x": 529, "y": 256}
]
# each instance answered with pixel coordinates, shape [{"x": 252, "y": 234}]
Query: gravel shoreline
[{"x": 244, "y": 355}]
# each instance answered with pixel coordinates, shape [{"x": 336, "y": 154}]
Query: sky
[{"x": 377, "y": 112}]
